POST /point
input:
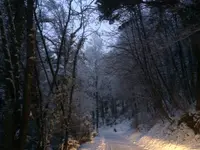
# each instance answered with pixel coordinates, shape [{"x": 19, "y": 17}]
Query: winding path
[{"x": 110, "y": 141}]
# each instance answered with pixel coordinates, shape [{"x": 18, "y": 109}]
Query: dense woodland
[{"x": 60, "y": 81}]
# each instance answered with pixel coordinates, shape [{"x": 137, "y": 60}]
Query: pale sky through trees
[{"x": 107, "y": 32}]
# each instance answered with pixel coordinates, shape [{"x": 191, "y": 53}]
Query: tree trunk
[
  {"x": 196, "y": 50},
  {"x": 102, "y": 111},
  {"x": 74, "y": 74},
  {"x": 10, "y": 95},
  {"x": 29, "y": 73},
  {"x": 97, "y": 96}
]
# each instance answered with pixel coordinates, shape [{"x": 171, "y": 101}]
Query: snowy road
[{"x": 110, "y": 141}]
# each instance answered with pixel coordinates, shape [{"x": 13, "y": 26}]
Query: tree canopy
[{"x": 111, "y": 9}]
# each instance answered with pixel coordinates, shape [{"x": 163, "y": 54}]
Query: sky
[{"x": 108, "y": 33}]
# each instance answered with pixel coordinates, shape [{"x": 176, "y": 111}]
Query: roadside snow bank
[{"x": 167, "y": 136}]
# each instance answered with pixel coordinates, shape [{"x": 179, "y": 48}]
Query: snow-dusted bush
[{"x": 70, "y": 145}]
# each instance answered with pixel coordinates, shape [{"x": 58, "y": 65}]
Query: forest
[{"x": 70, "y": 67}]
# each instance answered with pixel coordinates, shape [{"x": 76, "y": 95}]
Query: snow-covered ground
[
  {"x": 108, "y": 139},
  {"x": 162, "y": 136},
  {"x": 167, "y": 136}
]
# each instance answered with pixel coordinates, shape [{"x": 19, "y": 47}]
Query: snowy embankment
[
  {"x": 162, "y": 136},
  {"x": 167, "y": 136}
]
